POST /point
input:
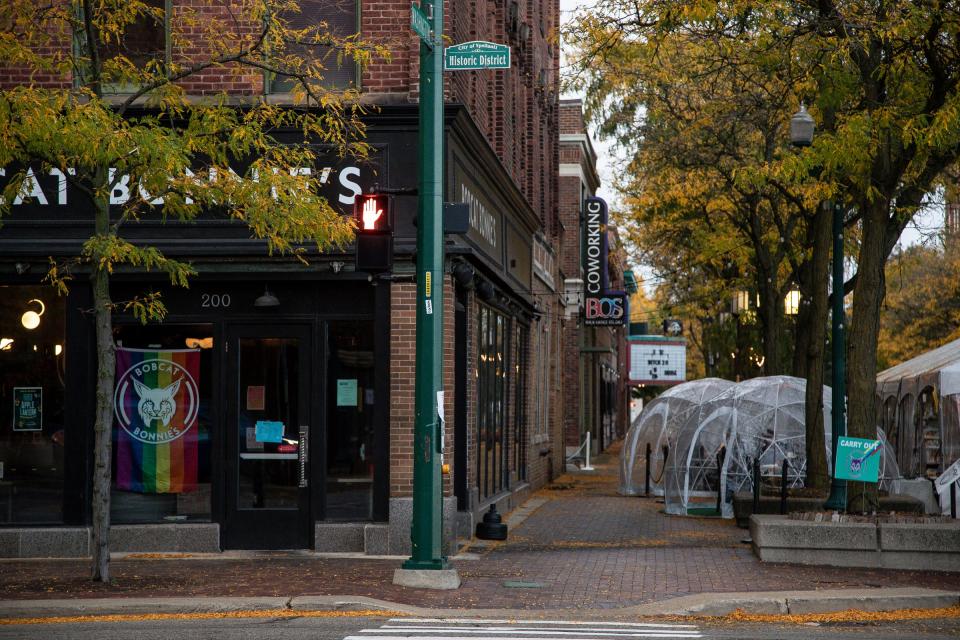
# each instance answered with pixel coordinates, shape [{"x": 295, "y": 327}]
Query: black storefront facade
[{"x": 312, "y": 347}]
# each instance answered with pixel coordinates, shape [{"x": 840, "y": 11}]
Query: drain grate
[{"x": 520, "y": 584}]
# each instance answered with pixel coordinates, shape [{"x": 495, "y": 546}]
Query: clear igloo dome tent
[
  {"x": 759, "y": 418},
  {"x": 659, "y": 424}
]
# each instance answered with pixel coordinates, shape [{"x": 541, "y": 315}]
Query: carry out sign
[{"x": 858, "y": 459}]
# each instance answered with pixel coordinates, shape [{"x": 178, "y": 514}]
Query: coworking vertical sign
[{"x": 601, "y": 308}]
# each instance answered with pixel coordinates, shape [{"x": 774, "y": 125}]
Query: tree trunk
[
  {"x": 106, "y": 365},
  {"x": 816, "y": 334},
  {"x": 771, "y": 321},
  {"x": 862, "y": 347}
]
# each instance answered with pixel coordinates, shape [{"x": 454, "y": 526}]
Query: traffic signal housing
[{"x": 373, "y": 215}]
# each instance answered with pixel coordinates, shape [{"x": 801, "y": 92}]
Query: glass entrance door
[{"x": 268, "y": 434}]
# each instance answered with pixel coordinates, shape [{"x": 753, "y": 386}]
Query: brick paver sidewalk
[{"x": 584, "y": 547}]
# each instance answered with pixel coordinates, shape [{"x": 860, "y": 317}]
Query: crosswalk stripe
[
  {"x": 499, "y": 635},
  {"x": 593, "y": 623},
  {"x": 504, "y": 629},
  {"x": 601, "y": 631}
]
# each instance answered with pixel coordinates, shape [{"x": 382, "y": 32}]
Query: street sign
[
  {"x": 420, "y": 23},
  {"x": 858, "y": 459},
  {"x": 478, "y": 54}
]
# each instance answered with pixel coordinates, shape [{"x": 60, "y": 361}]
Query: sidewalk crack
[{"x": 289, "y": 603}]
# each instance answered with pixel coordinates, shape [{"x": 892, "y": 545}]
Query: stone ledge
[{"x": 918, "y": 547}]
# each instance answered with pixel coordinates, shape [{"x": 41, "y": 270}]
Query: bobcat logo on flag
[
  {"x": 165, "y": 396},
  {"x": 156, "y": 431}
]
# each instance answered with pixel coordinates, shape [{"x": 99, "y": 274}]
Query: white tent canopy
[{"x": 919, "y": 407}]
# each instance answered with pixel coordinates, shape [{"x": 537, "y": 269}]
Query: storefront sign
[
  {"x": 858, "y": 459},
  {"x": 156, "y": 403},
  {"x": 600, "y": 306},
  {"x": 27, "y": 408},
  {"x": 485, "y": 214},
  {"x": 608, "y": 310},
  {"x": 595, "y": 245},
  {"x": 50, "y": 190},
  {"x": 657, "y": 362}
]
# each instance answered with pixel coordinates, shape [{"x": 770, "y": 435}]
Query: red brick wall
[{"x": 402, "y": 377}]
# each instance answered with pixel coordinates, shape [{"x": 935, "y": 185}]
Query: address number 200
[{"x": 214, "y": 300}]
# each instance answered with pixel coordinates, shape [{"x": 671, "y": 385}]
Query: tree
[
  {"x": 922, "y": 308},
  {"x": 718, "y": 201},
  {"x": 103, "y": 114},
  {"x": 882, "y": 79}
]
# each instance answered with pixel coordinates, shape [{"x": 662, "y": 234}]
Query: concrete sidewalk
[{"x": 575, "y": 545}]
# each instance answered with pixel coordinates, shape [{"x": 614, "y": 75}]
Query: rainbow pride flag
[{"x": 155, "y": 433}]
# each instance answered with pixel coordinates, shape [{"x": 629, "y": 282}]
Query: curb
[{"x": 698, "y": 605}]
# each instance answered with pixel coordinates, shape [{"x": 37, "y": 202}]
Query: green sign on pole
[
  {"x": 474, "y": 55},
  {"x": 420, "y": 23},
  {"x": 858, "y": 459}
]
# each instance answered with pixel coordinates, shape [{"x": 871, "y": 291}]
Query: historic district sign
[
  {"x": 478, "y": 54},
  {"x": 858, "y": 459}
]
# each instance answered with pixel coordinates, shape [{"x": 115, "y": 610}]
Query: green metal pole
[
  {"x": 838, "y": 488},
  {"x": 427, "y": 526}
]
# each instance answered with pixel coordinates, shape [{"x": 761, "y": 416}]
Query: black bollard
[
  {"x": 721, "y": 454},
  {"x": 783, "y": 488},
  {"x": 649, "y": 452},
  {"x": 756, "y": 485},
  {"x": 953, "y": 500}
]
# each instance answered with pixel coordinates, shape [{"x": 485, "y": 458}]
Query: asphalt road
[{"x": 374, "y": 628}]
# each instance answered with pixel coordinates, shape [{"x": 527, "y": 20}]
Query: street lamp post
[{"x": 801, "y": 135}]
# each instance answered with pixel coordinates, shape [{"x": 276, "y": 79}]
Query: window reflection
[
  {"x": 350, "y": 427},
  {"x": 32, "y": 325}
]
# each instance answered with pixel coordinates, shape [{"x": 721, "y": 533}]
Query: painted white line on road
[
  {"x": 582, "y": 636},
  {"x": 554, "y": 622},
  {"x": 603, "y": 631}
]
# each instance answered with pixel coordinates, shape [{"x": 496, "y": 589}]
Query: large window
[
  {"x": 340, "y": 17},
  {"x": 32, "y": 352},
  {"x": 162, "y": 423},
  {"x": 493, "y": 345},
  {"x": 144, "y": 44},
  {"x": 520, "y": 401},
  {"x": 350, "y": 427}
]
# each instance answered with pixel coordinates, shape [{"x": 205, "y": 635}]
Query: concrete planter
[
  {"x": 921, "y": 547},
  {"x": 743, "y": 505}
]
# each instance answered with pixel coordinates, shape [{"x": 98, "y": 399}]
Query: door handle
[{"x": 303, "y": 449}]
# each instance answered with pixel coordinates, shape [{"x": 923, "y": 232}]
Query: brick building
[
  {"x": 594, "y": 358},
  {"x": 337, "y": 345}
]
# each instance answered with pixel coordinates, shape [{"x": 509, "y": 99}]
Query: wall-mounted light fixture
[{"x": 31, "y": 319}]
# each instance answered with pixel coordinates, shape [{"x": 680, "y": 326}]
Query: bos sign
[{"x": 600, "y": 306}]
